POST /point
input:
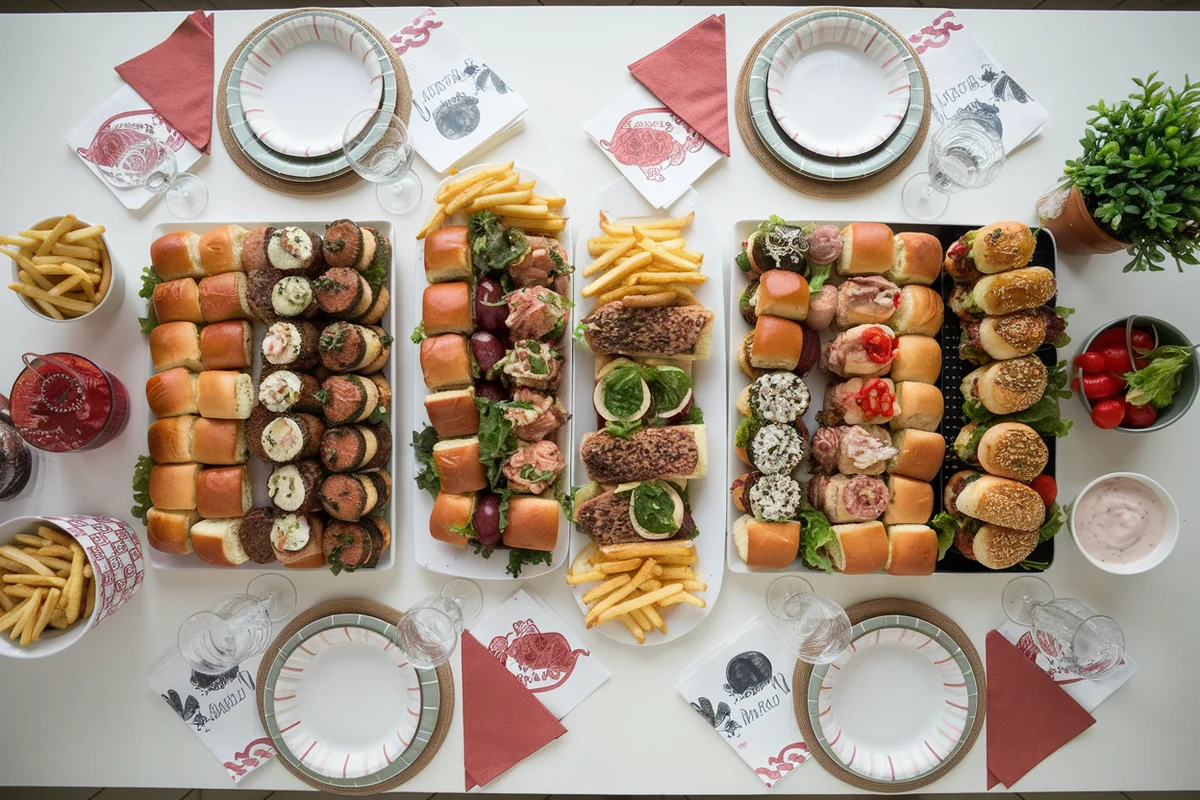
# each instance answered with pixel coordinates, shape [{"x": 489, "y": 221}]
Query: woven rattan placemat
[
  {"x": 387, "y": 614},
  {"x": 881, "y": 608},
  {"x": 349, "y": 178},
  {"x": 803, "y": 183}
]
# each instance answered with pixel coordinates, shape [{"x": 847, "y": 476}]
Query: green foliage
[{"x": 1140, "y": 172}]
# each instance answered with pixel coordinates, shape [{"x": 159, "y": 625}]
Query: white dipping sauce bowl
[{"x": 1156, "y": 556}]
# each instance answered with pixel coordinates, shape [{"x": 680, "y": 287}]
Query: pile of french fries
[
  {"x": 499, "y": 189},
  {"x": 637, "y": 584},
  {"x": 64, "y": 269},
  {"x": 45, "y": 581},
  {"x": 644, "y": 263}
]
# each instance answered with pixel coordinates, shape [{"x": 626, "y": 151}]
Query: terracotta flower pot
[{"x": 1074, "y": 229}]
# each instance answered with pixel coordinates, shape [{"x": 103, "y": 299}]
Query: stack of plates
[
  {"x": 294, "y": 85},
  {"x": 836, "y": 95},
  {"x": 343, "y": 706}
]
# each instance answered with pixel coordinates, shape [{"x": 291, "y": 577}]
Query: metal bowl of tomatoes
[{"x": 1136, "y": 374}]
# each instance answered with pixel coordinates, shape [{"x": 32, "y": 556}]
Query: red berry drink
[{"x": 63, "y": 402}]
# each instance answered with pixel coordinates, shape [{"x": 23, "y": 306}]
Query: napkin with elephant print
[
  {"x": 660, "y": 154},
  {"x": 550, "y": 660},
  {"x": 461, "y": 106},
  {"x": 743, "y": 692},
  {"x": 220, "y": 709}
]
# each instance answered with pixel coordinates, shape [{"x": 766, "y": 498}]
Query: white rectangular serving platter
[
  {"x": 260, "y": 470},
  {"x": 707, "y": 494},
  {"x": 461, "y": 561}
]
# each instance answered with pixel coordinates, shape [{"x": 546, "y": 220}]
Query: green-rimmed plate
[
  {"x": 812, "y": 164},
  {"x": 343, "y": 707},
  {"x": 293, "y": 167},
  {"x": 900, "y": 701}
]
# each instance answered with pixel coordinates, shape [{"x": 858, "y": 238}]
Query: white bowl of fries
[
  {"x": 47, "y": 589},
  {"x": 62, "y": 270}
]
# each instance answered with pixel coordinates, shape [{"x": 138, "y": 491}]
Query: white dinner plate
[
  {"x": 305, "y": 79},
  {"x": 897, "y": 703},
  {"x": 838, "y": 85},
  {"x": 439, "y": 556},
  {"x": 707, "y": 495},
  {"x": 343, "y": 705}
]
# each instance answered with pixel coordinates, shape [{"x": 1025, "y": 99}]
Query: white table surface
[{"x": 87, "y": 717}]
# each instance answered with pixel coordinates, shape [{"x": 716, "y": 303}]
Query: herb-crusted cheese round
[
  {"x": 775, "y": 498},
  {"x": 776, "y": 448},
  {"x": 781, "y": 397}
]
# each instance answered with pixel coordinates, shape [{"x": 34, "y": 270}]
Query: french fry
[
  {"x": 524, "y": 186},
  {"x": 593, "y": 615},
  {"x": 58, "y": 620},
  {"x": 607, "y": 258},
  {"x": 678, "y": 573},
  {"x": 647, "y": 549},
  {"x": 463, "y": 181},
  {"x": 91, "y": 242},
  {"x": 639, "y": 616},
  {"x": 500, "y": 199},
  {"x": 688, "y": 584},
  {"x": 657, "y": 234},
  {"x": 435, "y": 222},
  {"x": 57, "y": 261},
  {"x": 690, "y": 255},
  {"x": 22, "y": 261},
  {"x": 659, "y": 278},
  {"x": 651, "y": 585},
  {"x": 634, "y": 629},
  {"x": 682, "y": 597},
  {"x": 6, "y": 602},
  {"x": 90, "y": 604},
  {"x": 583, "y": 559},
  {"x": 55, "y": 564},
  {"x": 77, "y": 236},
  {"x": 658, "y": 222},
  {"x": 43, "y": 617},
  {"x": 65, "y": 286},
  {"x": 685, "y": 295},
  {"x": 548, "y": 225},
  {"x": 65, "y": 224},
  {"x": 19, "y": 241},
  {"x": 551, "y": 202},
  {"x": 666, "y": 256},
  {"x": 640, "y": 602},
  {"x": 624, "y": 291},
  {"x": 12, "y": 566},
  {"x": 655, "y": 618},
  {"x": 74, "y": 586},
  {"x": 654, "y": 300},
  {"x": 35, "y": 580},
  {"x": 576, "y": 578},
  {"x": 614, "y": 276},
  {"x": 11, "y": 616},
  {"x": 75, "y": 251},
  {"x": 58, "y": 537},
  {"x": 466, "y": 198},
  {"x": 31, "y": 540},
  {"x": 595, "y": 593},
  {"x": 60, "y": 302},
  {"x": 527, "y": 211},
  {"x": 18, "y": 591},
  {"x": 628, "y": 565},
  {"x": 14, "y": 554}
]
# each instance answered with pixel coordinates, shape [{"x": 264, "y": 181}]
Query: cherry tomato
[
  {"x": 1045, "y": 486},
  {"x": 1090, "y": 362},
  {"x": 1108, "y": 414},
  {"x": 1100, "y": 385},
  {"x": 1139, "y": 416},
  {"x": 1142, "y": 340},
  {"x": 1107, "y": 338},
  {"x": 1116, "y": 359},
  {"x": 1074, "y": 384}
]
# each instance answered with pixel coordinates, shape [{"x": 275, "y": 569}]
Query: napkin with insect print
[
  {"x": 220, "y": 709},
  {"x": 963, "y": 78},
  {"x": 743, "y": 692}
]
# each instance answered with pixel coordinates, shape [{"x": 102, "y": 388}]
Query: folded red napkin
[
  {"x": 502, "y": 721},
  {"x": 1029, "y": 716},
  {"x": 688, "y": 75},
  {"x": 176, "y": 78}
]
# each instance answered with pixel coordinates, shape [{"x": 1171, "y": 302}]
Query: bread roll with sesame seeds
[
  {"x": 1013, "y": 450},
  {"x": 996, "y": 547},
  {"x": 1006, "y": 387},
  {"x": 1000, "y": 501}
]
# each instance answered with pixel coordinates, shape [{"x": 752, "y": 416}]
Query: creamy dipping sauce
[{"x": 1120, "y": 521}]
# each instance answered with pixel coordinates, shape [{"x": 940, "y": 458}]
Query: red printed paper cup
[{"x": 118, "y": 568}]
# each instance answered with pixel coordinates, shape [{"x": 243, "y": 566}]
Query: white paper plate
[
  {"x": 305, "y": 79},
  {"x": 838, "y": 86},
  {"x": 897, "y": 703},
  {"x": 707, "y": 494},
  {"x": 260, "y": 470},
  {"x": 343, "y": 705},
  {"x": 462, "y": 561}
]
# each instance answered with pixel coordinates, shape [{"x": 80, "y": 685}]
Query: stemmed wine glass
[
  {"x": 151, "y": 165},
  {"x": 429, "y": 631},
  {"x": 814, "y": 627},
  {"x": 237, "y": 627},
  {"x": 965, "y": 153},
  {"x": 386, "y": 161},
  {"x": 1089, "y": 644}
]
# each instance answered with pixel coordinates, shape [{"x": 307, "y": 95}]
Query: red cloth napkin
[
  {"x": 688, "y": 74},
  {"x": 176, "y": 78},
  {"x": 502, "y": 721},
  {"x": 1029, "y": 716}
]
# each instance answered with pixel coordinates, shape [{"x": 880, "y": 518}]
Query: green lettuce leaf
[
  {"x": 518, "y": 557},
  {"x": 150, "y": 279},
  {"x": 493, "y": 247},
  {"x": 496, "y": 439},
  {"x": 141, "y": 488},
  {"x": 422, "y": 444},
  {"x": 815, "y": 534},
  {"x": 947, "y": 528},
  {"x": 818, "y": 274}
]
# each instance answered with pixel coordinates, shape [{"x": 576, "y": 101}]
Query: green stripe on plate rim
[
  {"x": 431, "y": 701},
  {"x": 290, "y": 167},
  {"x": 817, "y": 677},
  {"x": 817, "y": 166}
]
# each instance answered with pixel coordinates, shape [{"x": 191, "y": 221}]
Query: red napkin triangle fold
[
  {"x": 503, "y": 722},
  {"x": 176, "y": 78},
  {"x": 689, "y": 75},
  {"x": 1029, "y": 716}
]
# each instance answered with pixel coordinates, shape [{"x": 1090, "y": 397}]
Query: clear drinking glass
[
  {"x": 428, "y": 635},
  {"x": 965, "y": 153},
  {"x": 150, "y": 164},
  {"x": 1089, "y": 644},
  {"x": 237, "y": 627},
  {"x": 379, "y": 149},
  {"x": 814, "y": 627}
]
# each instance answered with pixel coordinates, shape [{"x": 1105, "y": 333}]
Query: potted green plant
[{"x": 1136, "y": 186}]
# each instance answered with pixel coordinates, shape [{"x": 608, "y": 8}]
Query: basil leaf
[
  {"x": 653, "y": 508},
  {"x": 624, "y": 392},
  {"x": 1056, "y": 517},
  {"x": 668, "y": 388}
]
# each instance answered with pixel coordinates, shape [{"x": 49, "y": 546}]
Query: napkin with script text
[
  {"x": 963, "y": 77},
  {"x": 534, "y": 644},
  {"x": 461, "y": 107},
  {"x": 220, "y": 709},
  {"x": 743, "y": 692}
]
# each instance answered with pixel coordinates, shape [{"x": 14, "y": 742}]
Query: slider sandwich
[
  {"x": 989, "y": 250},
  {"x": 997, "y": 519},
  {"x": 1012, "y": 335},
  {"x": 681, "y": 332}
]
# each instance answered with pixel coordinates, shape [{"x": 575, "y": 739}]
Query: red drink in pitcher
[{"x": 63, "y": 402}]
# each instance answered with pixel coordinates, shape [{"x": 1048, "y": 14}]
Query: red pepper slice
[
  {"x": 879, "y": 345},
  {"x": 876, "y": 399}
]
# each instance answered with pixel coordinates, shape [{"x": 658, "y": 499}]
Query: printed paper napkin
[
  {"x": 127, "y": 125},
  {"x": 658, "y": 152},
  {"x": 221, "y": 709},
  {"x": 548, "y": 659},
  {"x": 1087, "y": 693},
  {"x": 744, "y": 692},
  {"x": 963, "y": 77},
  {"x": 461, "y": 106}
]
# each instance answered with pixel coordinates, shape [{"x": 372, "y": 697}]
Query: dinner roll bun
[
  {"x": 917, "y": 358},
  {"x": 226, "y": 394},
  {"x": 446, "y": 308},
  {"x": 1017, "y": 290},
  {"x": 223, "y": 492},
  {"x": 453, "y": 413},
  {"x": 777, "y": 343},
  {"x": 743, "y": 357},
  {"x": 919, "y": 453},
  {"x": 532, "y": 523},
  {"x": 225, "y": 297},
  {"x": 909, "y": 501},
  {"x": 217, "y": 542},
  {"x": 172, "y": 393},
  {"x": 176, "y": 344},
  {"x": 446, "y": 362},
  {"x": 920, "y": 312},
  {"x": 459, "y": 466},
  {"x": 447, "y": 255},
  {"x": 867, "y": 249},
  {"x": 221, "y": 249},
  {"x": 226, "y": 345},
  {"x": 766, "y": 544},
  {"x": 912, "y": 550},
  {"x": 177, "y": 255},
  {"x": 1013, "y": 450},
  {"x": 450, "y": 512},
  {"x": 177, "y": 300},
  {"x": 219, "y": 441},
  {"x": 1006, "y": 387},
  {"x": 1002, "y": 246},
  {"x": 170, "y": 531},
  {"x": 921, "y": 407},
  {"x": 782, "y": 293},
  {"x": 859, "y": 547},
  {"x": 917, "y": 259},
  {"x": 173, "y": 486},
  {"x": 170, "y": 440}
]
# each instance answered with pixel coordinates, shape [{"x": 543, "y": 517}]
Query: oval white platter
[
  {"x": 461, "y": 561},
  {"x": 622, "y": 200}
]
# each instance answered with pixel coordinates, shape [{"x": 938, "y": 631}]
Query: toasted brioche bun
[
  {"x": 920, "y": 312},
  {"x": 917, "y": 259},
  {"x": 859, "y": 547},
  {"x": 446, "y": 308},
  {"x": 1013, "y": 450},
  {"x": 867, "y": 249},
  {"x": 451, "y": 511},
  {"x": 1002, "y": 246},
  {"x": 447, "y": 255},
  {"x": 532, "y": 523},
  {"x": 446, "y": 362},
  {"x": 766, "y": 544},
  {"x": 912, "y": 550},
  {"x": 459, "y": 466}
]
